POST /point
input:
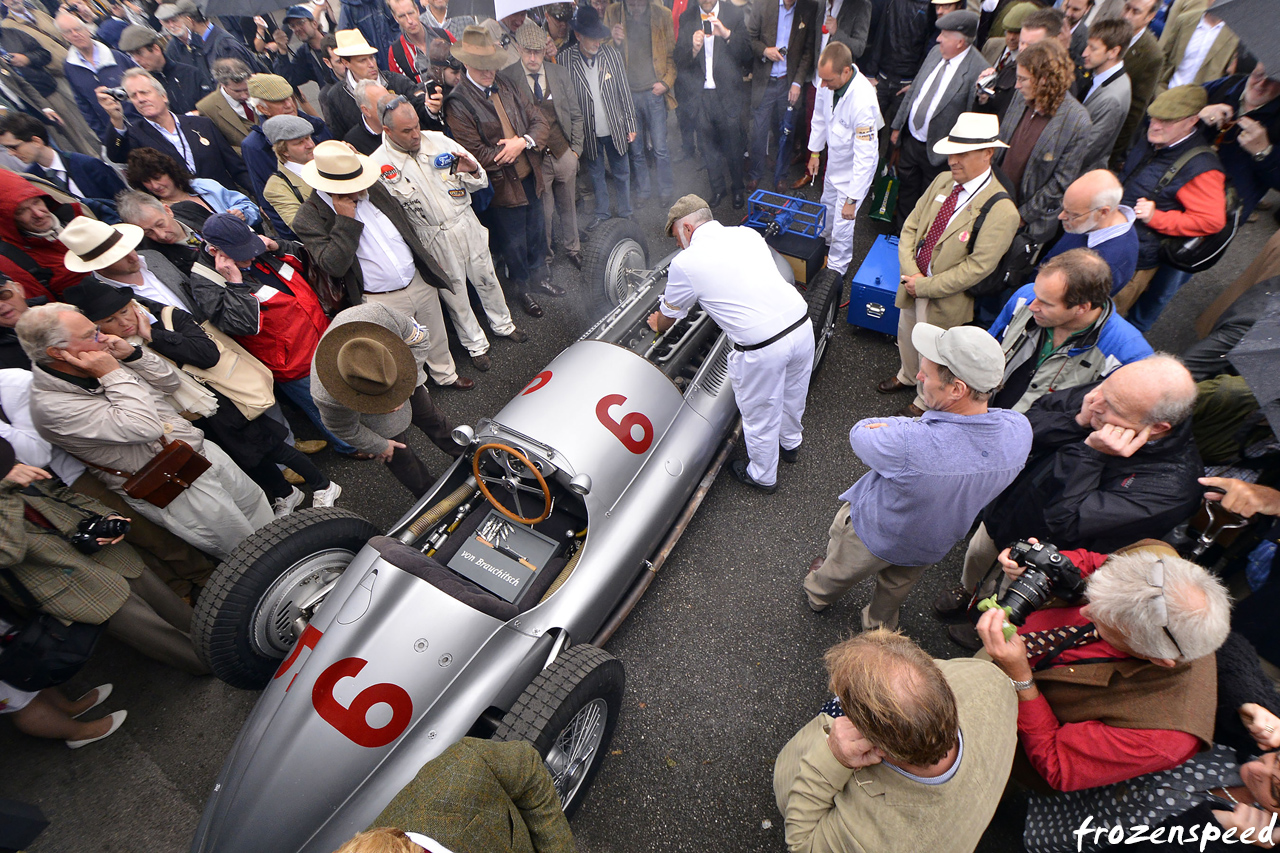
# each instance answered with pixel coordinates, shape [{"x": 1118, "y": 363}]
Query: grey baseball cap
[{"x": 967, "y": 351}]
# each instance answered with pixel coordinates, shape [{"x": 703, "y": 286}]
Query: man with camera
[
  {"x": 63, "y": 551},
  {"x": 1122, "y": 681},
  {"x": 1111, "y": 463}
]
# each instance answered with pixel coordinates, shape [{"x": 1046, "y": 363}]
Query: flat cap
[
  {"x": 165, "y": 11},
  {"x": 280, "y": 128},
  {"x": 961, "y": 21},
  {"x": 269, "y": 87},
  {"x": 530, "y": 36},
  {"x": 136, "y": 37},
  {"x": 1015, "y": 16},
  {"x": 1178, "y": 103},
  {"x": 682, "y": 208}
]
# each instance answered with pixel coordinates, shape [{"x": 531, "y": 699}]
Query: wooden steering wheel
[{"x": 506, "y": 456}]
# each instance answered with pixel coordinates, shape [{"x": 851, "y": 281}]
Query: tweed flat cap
[
  {"x": 269, "y": 87},
  {"x": 1178, "y": 103}
]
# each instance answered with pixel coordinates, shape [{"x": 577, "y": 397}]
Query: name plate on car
[{"x": 502, "y": 556}]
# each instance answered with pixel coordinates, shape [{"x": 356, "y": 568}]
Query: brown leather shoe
[
  {"x": 893, "y": 386},
  {"x": 803, "y": 181},
  {"x": 910, "y": 410},
  {"x": 462, "y": 383}
]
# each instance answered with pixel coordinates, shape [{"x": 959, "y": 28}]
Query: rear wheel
[
  {"x": 257, "y": 603},
  {"x": 569, "y": 713},
  {"x": 614, "y": 260},
  {"x": 823, "y": 298}
]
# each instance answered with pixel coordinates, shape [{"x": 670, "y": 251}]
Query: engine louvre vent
[{"x": 716, "y": 369}]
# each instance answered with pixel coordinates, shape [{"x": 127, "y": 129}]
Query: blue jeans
[
  {"x": 600, "y": 183},
  {"x": 1164, "y": 285},
  {"x": 767, "y": 120},
  {"x": 298, "y": 392},
  {"x": 651, "y": 118}
]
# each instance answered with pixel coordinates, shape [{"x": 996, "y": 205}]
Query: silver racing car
[{"x": 482, "y": 611}]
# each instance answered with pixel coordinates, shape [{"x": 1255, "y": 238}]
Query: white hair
[
  {"x": 1108, "y": 197},
  {"x": 362, "y": 92},
  {"x": 143, "y": 74},
  {"x": 1179, "y": 398},
  {"x": 77, "y": 21},
  {"x": 1122, "y": 596},
  {"x": 129, "y": 205},
  {"x": 41, "y": 329},
  {"x": 699, "y": 216}
]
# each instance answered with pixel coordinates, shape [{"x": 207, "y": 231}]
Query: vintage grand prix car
[{"x": 482, "y": 610}]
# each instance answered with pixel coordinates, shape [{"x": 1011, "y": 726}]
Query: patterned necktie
[
  {"x": 924, "y": 254},
  {"x": 1042, "y": 642},
  {"x": 922, "y": 108},
  {"x": 537, "y": 87},
  {"x": 1004, "y": 59}
]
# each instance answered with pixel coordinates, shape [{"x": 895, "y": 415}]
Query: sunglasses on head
[{"x": 391, "y": 106}]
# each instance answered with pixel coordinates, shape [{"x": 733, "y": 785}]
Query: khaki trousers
[
  {"x": 561, "y": 175},
  {"x": 978, "y": 559},
  {"x": 1129, "y": 294},
  {"x": 421, "y": 301},
  {"x": 157, "y": 623},
  {"x": 848, "y": 562}
]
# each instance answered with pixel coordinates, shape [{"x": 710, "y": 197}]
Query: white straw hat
[
  {"x": 335, "y": 168},
  {"x": 972, "y": 132},
  {"x": 94, "y": 245}
]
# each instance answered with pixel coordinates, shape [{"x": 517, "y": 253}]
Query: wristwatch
[
  {"x": 1022, "y": 685},
  {"x": 849, "y": 200},
  {"x": 1263, "y": 154},
  {"x": 528, "y": 142}
]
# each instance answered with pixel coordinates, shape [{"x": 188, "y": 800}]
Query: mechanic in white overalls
[
  {"x": 730, "y": 272},
  {"x": 436, "y": 193},
  {"x": 846, "y": 121}
]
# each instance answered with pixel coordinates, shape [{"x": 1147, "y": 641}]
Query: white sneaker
[
  {"x": 287, "y": 504},
  {"x": 117, "y": 719},
  {"x": 326, "y": 497}
]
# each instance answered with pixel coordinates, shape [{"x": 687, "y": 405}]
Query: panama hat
[
  {"x": 972, "y": 132},
  {"x": 352, "y": 43},
  {"x": 335, "y": 168},
  {"x": 94, "y": 245},
  {"x": 478, "y": 49},
  {"x": 366, "y": 367}
]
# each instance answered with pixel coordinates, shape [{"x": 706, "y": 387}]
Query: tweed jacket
[
  {"x": 68, "y": 584},
  {"x": 831, "y": 809},
  {"x": 955, "y": 267},
  {"x": 957, "y": 98},
  {"x": 1142, "y": 62},
  {"x": 615, "y": 94},
  {"x": 474, "y": 122},
  {"x": 1054, "y": 163},
  {"x": 233, "y": 126},
  {"x": 481, "y": 795},
  {"x": 662, "y": 41},
  {"x": 331, "y": 241},
  {"x": 1174, "y": 40},
  {"x": 1108, "y": 107},
  {"x": 762, "y": 24},
  {"x": 564, "y": 99}
]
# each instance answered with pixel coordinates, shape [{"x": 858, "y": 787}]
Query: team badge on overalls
[
  {"x": 457, "y": 192},
  {"x": 390, "y": 174}
]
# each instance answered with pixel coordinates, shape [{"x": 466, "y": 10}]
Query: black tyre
[
  {"x": 256, "y": 603},
  {"x": 823, "y": 298},
  {"x": 569, "y": 713},
  {"x": 612, "y": 259}
]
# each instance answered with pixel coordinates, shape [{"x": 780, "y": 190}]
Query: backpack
[
  {"x": 1197, "y": 254},
  {"x": 1015, "y": 265}
]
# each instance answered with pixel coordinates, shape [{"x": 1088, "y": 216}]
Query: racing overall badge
[
  {"x": 390, "y": 174},
  {"x": 457, "y": 192}
]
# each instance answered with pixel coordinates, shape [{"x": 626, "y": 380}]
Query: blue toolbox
[
  {"x": 874, "y": 286},
  {"x": 793, "y": 227}
]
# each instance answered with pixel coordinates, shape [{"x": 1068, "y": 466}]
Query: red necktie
[
  {"x": 248, "y": 113},
  {"x": 924, "y": 254}
]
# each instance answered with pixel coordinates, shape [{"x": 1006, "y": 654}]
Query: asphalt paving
[{"x": 723, "y": 659}]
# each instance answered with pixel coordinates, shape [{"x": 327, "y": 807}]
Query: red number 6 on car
[{"x": 351, "y": 720}]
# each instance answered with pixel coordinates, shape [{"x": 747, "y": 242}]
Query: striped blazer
[{"x": 614, "y": 92}]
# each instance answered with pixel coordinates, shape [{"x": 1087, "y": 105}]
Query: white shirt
[
  {"x": 782, "y": 37},
  {"x": 968, "y": 190},
  {"x": 1197, "y": 49},
  {"x": 151, "y": 288},
  {"x": 708, "y": 47},
  {"x": 60, "y": 169},
  {"x": 833, "y": 10},
  {"x": 948, "y": 70},
  {"x": 386, "y": 261},
  {"x": 428, "y": 844},
  {"x": 236, "y": 106},
  {"x": 730, "y": 272},
  {"x": 1136, "y": 36},
  {"x": 28, "y": 445},
  {"x": 177, "y": 139},
  {"x": 1099, "y": 79}
]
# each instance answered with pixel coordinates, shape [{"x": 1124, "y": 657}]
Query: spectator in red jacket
[{"x": 30, "y": 220}]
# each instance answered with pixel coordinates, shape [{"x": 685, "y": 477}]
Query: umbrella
[
  {"x": 1257, "y": 357},
  {"x": 240, "y": 8},
  {"x": 478, "y": 9},
  {"x": 502, "y": 8},
  {"x": 1257, "y": 25},
  {"x": 785, "y": 130}
]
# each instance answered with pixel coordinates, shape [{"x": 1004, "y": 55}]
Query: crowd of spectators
[{"x": 186, "y": 241}]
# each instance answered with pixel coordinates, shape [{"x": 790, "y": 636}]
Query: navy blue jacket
[
  {"x": 214, "y": 157},
  {"x": 1143, "y": 169},
  {"x": 260, "y": 159},
  {"x": 83, "y": 82},
  {"x": 1120, "y": 253},
  {"x": 1250, "y": 178},
  {"x": 94, "y": 178}
]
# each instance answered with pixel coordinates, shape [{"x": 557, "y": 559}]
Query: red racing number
[
  {"x": 310, "y": 636},
  {"x": 538, "y": 381},
  {"x": 351, "y": 720},
  {"x": 623, "y": 428}
]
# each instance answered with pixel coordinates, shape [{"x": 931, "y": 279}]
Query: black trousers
[
  {"x": 267, "y": 473},
  {"x": 721, "y": 140},
  {"x": 405, "y": 465},
  {"x": 915, "y": 173},
  {"x": 522, "y": 237}
]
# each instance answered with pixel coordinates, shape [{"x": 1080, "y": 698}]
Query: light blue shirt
[
  {"x": 929, "y": 479},
  {"x": 783, "y": 35}
]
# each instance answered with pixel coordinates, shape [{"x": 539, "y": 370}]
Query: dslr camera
[
  {"x": 96, "y": 527},
  {"x": 1047, "y": 574}
]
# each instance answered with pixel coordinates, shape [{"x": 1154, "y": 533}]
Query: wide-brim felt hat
[
  {"x": 366, "y": 367},
  {"x": 93, "y": 245},
  {"x": 335, "y": 168},
  {"x": 971, "y": 132},
  {"x": 352, "y": 43},
  {"x": 587, "y": 23},
  {"x": 478, "y": 49}
]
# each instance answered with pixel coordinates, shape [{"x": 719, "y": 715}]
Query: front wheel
[
  {"x": 823, "y": 298},
  {"x": 257, "y": 603},
  {"x": 614, "y": 262},
  {"x": 569, "y": 713}
]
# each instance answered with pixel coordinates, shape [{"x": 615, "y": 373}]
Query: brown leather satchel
[{"x": 168, "y": 474}]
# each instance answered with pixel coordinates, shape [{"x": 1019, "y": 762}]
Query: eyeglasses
[
  {"x": 1156, "y": 579},
  {"x": 391, "y": 106},
  {"x": 1072, "y": 217}
]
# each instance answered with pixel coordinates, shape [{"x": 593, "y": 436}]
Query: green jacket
[
  {"x": 70, "y": 585},
  {"x": 482, "y": 796}
]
